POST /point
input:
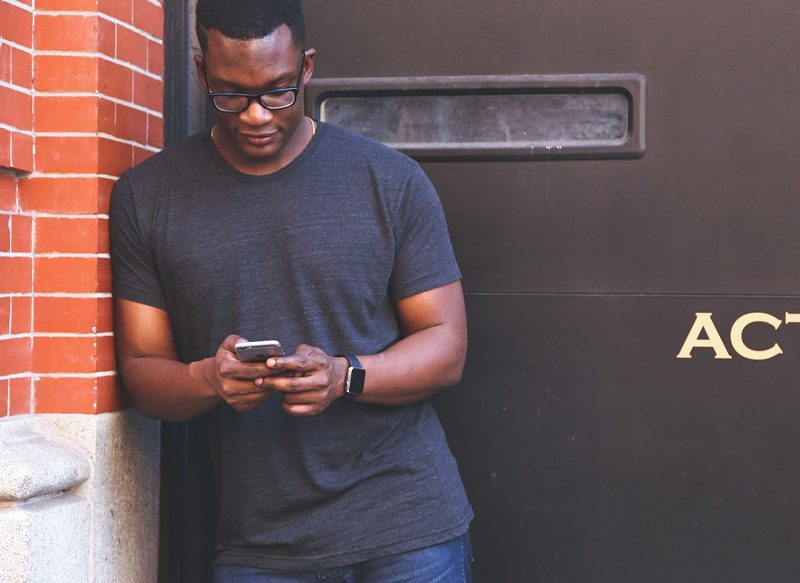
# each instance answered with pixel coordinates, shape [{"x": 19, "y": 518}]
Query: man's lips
[{"x": 260, "y": 138}]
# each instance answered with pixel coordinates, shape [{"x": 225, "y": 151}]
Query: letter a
[{"x": 704, "y": 323}]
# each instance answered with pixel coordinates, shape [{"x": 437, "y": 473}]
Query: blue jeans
[{"x": 443, "y": 563}]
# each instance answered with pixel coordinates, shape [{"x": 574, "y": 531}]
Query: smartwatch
[{"x": 354, "y": 380}]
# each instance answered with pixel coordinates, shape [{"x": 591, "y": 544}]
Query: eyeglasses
[{"x": 272, "y": 99}]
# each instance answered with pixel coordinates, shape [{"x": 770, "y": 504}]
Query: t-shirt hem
[
  {"x": 425, "y": 283},
  {"x": 140, "y": 296},
  {"x": 332, "y": 561}
]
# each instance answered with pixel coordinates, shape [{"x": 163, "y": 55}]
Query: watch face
[{"x": 355, "y": 380}]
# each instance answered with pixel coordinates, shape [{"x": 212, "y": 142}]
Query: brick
[
  {"x": 103, "y": 238},
  {"x": 8, "y": 193},
  {"x": 104, "y": 276},
  {"x": 21, "y": 233},
  {"x": 15, "y": 273},
  {"x": 16, "y": 24},
  {"x": 66, "y": 32},
  {"x": 119, "y": 9},
  {"x": 106, "y": 116},
  {"x": 76, "y": 5},
  {"x": 21, "y": 314},
  {"x": 73, "y": 315},
  {"x": 66, "y": 73},
  {"x": 105, "y": 185},
  {"x": 131, "y": 47},
  {"x": 111, "y": 396},
  {"x": 16, "y": 356},
  {"x": 115, "y": 80},
  {"x": 5, "y": 148},
  {"x": 21, "y": 151},
  {"x": 140, "y": 155},
  {"x": 5, "y": 315},
  {"x": 66, "y": 154},
  {"x": 106, "y": 37},
  {"x": 6, "y": 59},
  {"x": 66, "y": 394},
  {"x": 155, "y": 131},
  {"x": 71, "y": 275},
  {"x": 72, "y": 354},
  {"x": 16, "y": 108},
  {"x": 114, "y": 158},
  {"x": 64, "y": 195},
  {"x": 21, "y": 68},
  {"x": 149, "y": 18},
  {"x": 56, "y": 113},
  {"x": 155, "y": 58},
  {"x": 148, "y": 92},
  {"x": 123, "y": 122},
  {"x": 5, "y": 233},
  {"x": 4, "y": 392},
  {"x": 61, "y": 235},
  {"x": 19, "y": 396}
]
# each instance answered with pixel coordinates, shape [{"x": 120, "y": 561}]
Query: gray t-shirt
[{"x": 315, "y": 253}]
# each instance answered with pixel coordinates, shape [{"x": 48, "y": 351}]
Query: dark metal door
[{"x": 591, "y": 452}]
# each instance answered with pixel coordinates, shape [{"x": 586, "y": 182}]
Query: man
[{"x": 330, "y": 461}]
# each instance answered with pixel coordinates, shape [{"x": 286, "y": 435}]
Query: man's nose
[{"x": 256, "y": 114}]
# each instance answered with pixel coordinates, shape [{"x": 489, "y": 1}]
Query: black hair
[{"x": 249, "y": 19}]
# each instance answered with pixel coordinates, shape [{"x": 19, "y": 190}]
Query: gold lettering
[
  {"x": 704, "y": 323},
  {"x": 737, "y": 330}
]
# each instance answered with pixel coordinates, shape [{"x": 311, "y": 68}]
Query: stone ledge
[{"x": 36, "y": 462}]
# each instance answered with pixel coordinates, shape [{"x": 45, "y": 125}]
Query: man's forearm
[
  {"x": 167, "y": 389},
  {"x": 415, "y": 368}
]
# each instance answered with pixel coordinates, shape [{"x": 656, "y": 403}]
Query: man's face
[{"x": 258, "y": 140}]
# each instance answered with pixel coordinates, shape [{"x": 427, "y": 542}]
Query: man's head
[
  {"x": 256, "y": 48},
  {"x": 249, "y": 19}
]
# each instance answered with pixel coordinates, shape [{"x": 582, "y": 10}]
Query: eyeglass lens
[{"x": 268, "y": 100}]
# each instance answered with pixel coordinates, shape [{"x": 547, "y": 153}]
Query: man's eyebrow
[{"x": 285, "y": 80}]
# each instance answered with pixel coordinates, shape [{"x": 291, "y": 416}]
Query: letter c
[{"x": 737, "y": 330}]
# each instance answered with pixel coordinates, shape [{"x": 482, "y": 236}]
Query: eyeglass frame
[{"x": 295, "y": 89}]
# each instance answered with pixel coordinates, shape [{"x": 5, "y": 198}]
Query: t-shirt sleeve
[
  {"x": 424, "y": 257},
  {"x": 133, "y": 268}
]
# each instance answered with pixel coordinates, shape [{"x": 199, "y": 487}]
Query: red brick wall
[{"x": 80, "y": 101}]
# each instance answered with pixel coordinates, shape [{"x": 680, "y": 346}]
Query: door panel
[
  {"x": 589, "y": 450},
  {"x": 588, "y": 459}
]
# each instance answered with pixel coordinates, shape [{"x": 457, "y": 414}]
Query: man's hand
[
  {"x": 234, "y": 380},
  {"x": 309, "y": 379}
]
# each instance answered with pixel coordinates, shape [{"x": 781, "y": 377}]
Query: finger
[
  {"x": 248, "y": 400},
  {"x": 290, "y": 384},
  {"x": 242, "y": 389},
  {"x": 301, "y": 363},
  {"x": 248, "y": 404},
  {"x": 234, "y": 369},
  {"x": 302, "y": 410},
  {"x": 298, "y": 400},
  {"x": 230, "y": 342},
  {"x": 305, "y": 358}
]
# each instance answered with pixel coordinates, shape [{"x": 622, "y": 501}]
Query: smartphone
[{"x": 258, "y": 351}]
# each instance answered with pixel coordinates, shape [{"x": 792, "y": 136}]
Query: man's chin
[{"x": 259, "y": 151}]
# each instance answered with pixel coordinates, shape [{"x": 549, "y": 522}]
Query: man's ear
[
  {"x": 198, "y": 63},
  {"x": 308, "y": 67}
]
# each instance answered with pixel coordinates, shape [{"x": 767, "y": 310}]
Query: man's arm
[
  {"x": 164, "y": 388},
  {"x": 429, "y": 357},
  {"x": 431, "y": 354}
]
